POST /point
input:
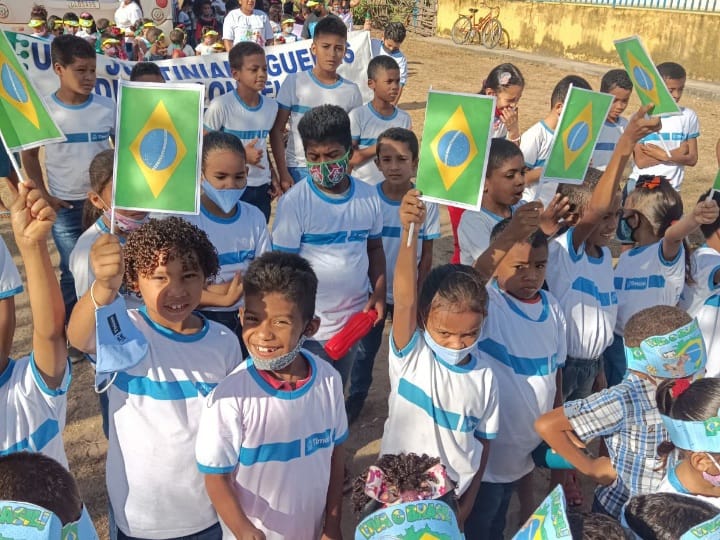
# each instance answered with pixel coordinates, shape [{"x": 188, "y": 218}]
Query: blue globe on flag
[
  {"x": 578, "y": 136},
  {"x": 643, "y": 78},
  {"x": 158, "y": 149},
  {"x": 13, "y": 84},
  {"x": 453, "y": 148}
]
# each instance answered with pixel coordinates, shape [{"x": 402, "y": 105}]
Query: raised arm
[{"x": 704, "y": 213}]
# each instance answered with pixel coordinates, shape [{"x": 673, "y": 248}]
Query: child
[
  {"x": 205, "y": 19},
  {"x": 316, "y": 12},
  {"x": 506, "y": 83},
  {"x": 142, "y": 43},
  {"x": 345, "y": 13},
  {"x": 666, "y": 516},
  {"x": 158, "y": 46},
  {"x": 249, "y": 116},
  {"x": 443, "y": 396},
  {"x": 110, "y": 46},
  {"x": 626, "y": 416},
  {"x": 33, "y": 389},
  {"x": 700, "y": 296},
  {"x": 66, "y": 163},
  {"x": 370, "y": 120},
  {"x": 535, "y": 142},
  {"x": 246, "y": 24},
  {"x": 71, "y": 23},
  {"x": 55, "y": 24},
  {"x": 146, "y": 72},
  {"x": 274, "y": 16},
  {"x": 393, "y": 37},
  {"x": 39, "y": 23},
  {"x": 652, "y": 273},
  {"x": 87, "y": 28},
  {"x": 594, "y": 526},
  {"x": 397, "y": 158},
  {"x": 690, "y": 414},
  {"x": 527, "y": 369},
  {"x": 237, "y": 229},
  {"x": 616, "y": 83},
  {"x": 679, "y": 135},
  {"x": 347, "y": 235},
  {"x": 281, "y": 393},
  {"x": 302, "y": 91},
  {"x": 178, "y": 45},
  {"x": 287, "y": 35},
  {"x": 209, "y": 38}
]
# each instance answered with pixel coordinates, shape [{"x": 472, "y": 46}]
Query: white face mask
[
  {"x": 449, "y": 356},
  {"x": 279, "y": 362}
]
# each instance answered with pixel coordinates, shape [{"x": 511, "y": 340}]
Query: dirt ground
[{"x": 433, "y": 63}]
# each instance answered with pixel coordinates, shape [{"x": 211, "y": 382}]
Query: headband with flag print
[
  {"x": 31, "y": 522},
  {"x": 549, "y": 521},
  {"x": 709, "y": 530},
  {"x": 696, "y": 436}
]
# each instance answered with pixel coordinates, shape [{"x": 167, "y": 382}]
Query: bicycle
[{"x": 488, "y": 28}]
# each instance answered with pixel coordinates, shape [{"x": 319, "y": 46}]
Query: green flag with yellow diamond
[
  {"x": 455, "y": 144},
  {"x": 158, "y": 147},
  {"x": 24, "y": 121},
  {"x": 648, "y": 83},
  {"x": 582, "y": 118}
]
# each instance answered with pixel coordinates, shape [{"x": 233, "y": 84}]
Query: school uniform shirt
[
  {"x": 88, "y": 128},
  {"x": 525, "y": 343},
  {"x": 378, "y": 49},
  {"x": 671, "y": 484},
  {"x": 239, "y": 240},
  {"x": 239, "y": 27},
  {"x": 535, "y": 144},
  {"x": 627, "y": 418},
  {"x": 605, "y": 145},
  {"x": 302, "y": 91},
  {"x": 474, "y": 233},
  {"x": 366, "y": 125},
  {"x": 10, "y": 282},
  {"x": 332, "y": 233},
  {"x": 440, "y": 409},
  {"x": 279, "y": 443},
  {"x": 33, "y": 414},
  {"x": 392, "y": 231},
  {"x": 643, "y": 279},
  {"x": 583, "y": 285},
  {"x": 203, "y": 49},
  {"x": 701, "y": 299},
  {"x": 675, "y": 131},
  {"x": 153, "y": 483},
  {"x": 229, "y": 113}
]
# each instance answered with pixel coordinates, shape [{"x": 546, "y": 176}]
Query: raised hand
[{"x": 32, "y": 216}]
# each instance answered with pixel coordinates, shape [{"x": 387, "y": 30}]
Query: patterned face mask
[{"x": 329, "y": 174}]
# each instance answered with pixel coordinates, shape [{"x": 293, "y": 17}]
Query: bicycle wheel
[
  {"x": 505, "y": 39},
  {"x": 491, "y": 33},
  {"x": 461, "y": 30}
]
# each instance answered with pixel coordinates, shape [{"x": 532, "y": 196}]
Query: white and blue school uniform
[
  {"x": 675, "y": 131},
  {"x": 332, "y": 233},
  {"x": 279, "y": 443},
  {"x": 229, "y": 113},
  {"x": 88, "y": 129},
  {"x": 33, "y": 414},
  {"x": 583, "y": 286},
  {"x": 154, "y": 486},
  {"x": 607, "y": 140},
  {"x": 302, "y": 91},
  {"x": 535, "y": 144},
  {"x": 239, "y": 240},
  {"x": 440, "y": 409},
  {"x": 377, "y": 48},
  {"x": 10, "y": 282},
  {"x": 701, "y": 299},
  {"x": 366, "y": 125},
  {"x": 474, "y": 233},
  {"x": 525, "y": 343},
  {"x": 392, "y": 231},
  {"x": 671, "y": 484}
]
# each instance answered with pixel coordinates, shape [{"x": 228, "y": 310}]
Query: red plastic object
[{"x": 356, "y": 328}]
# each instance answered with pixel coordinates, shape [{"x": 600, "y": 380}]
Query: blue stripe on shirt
[
  {"x": 284, "y": 451},
  {"x": 87, "y": 137},
  {"x": 340, "y": 237},
  {"x": 587, "y": 286},
  {"x": 299, "y": 109},
  {"x": 442, "y": 418},
  {"x": 605, "y": 146},
  {"x": 162, "y": 390},
  {"x": 38, "y": 440},
  {"x": 521, "y": 365},
  {"x": 236, "y": 257},
  {"x": 640, "y": 283},
  {"x": 248, "y": 135}
]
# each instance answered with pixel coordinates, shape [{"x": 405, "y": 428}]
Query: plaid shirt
[{"x": 626, "y": 416}]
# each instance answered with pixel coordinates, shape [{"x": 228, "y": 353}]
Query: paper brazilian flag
[
  {"x": 716, "y": 183},
  {"x": 648, "y": 83},
  {"x": 455, "y": 144},
  {"x": 158, "y": 147},
  {"x": 549, "y": 521},
  {"x": 24, "y": 120},
  {"x": 582, "y": 118}
]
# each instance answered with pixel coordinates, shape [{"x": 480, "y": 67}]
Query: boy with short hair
[
  {"x": 281, "y": 393},
  {"x": 146, "y": 72},
  {"x": 535, "y": 143},
  {"x": 617, "y": 83},
  {"x": 88, "y": 122},
  {"x": 317, "y": 12},
  {"x": 393, "y": 37},
  {"x": 304, "y": 90},
  {"x": 679, "y": 134},
  {"x": 373, "y": 118},
  {"x": 397, "y": 158},
  {"x": 250, "y": 116},
  {"x": 335, "y": 222}
]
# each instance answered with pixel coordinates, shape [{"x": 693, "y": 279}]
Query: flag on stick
[
  {"x": 648, "y": 83},
  {"x": 158, "y": 147},
  {"x": 581, "y": 121},
  {"x": 455, "y": 144},
  {"x": 24, "y": 120},
  {"x": 549, "y": 521}
]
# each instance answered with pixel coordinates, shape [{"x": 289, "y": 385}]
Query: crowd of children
[{"x": 224, "y": 412}]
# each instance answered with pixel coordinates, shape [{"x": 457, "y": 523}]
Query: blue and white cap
[{"x": 25, "y": 521}]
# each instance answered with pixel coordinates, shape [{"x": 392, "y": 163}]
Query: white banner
[{"x": 213, "y": 70}]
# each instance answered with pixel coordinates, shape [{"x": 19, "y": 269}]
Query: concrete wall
[{"x": 583, "y": 32}]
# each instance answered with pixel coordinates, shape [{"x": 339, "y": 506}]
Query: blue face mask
[
  {"x": 225, "y": 199},
  {"x": 449, "y": 356},
  {"x": 625, "y": 233}
]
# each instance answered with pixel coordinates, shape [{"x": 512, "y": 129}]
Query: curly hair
[
  {"x": 161, "y": 240},
  {"x": 654, "y": 321},
  {"x": 405, "y": 471}
]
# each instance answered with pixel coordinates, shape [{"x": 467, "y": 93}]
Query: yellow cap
[
  {"x": 86, "y": 23},
  {"x": 288, "y": 21},
  {"x": 70, "y": 23},
  {"x": 211, "y": 33},
  {"x": 218, "y": 46},
  {"x": 58, "y": 23},
  {"x": 110, "y": 41},
  {"x": 313, "y": 3},
  {"x": 149, "y": 25},
  {"x": 36, "y": 23}
]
